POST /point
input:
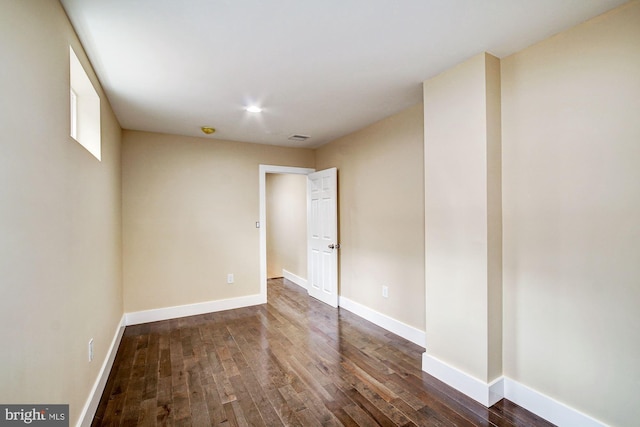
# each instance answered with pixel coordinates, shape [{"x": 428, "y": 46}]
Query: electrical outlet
[
  {"x": 385, "y": 291},
  {"x": 230, "y": 278},
  {"x": 91, "y": 350}
]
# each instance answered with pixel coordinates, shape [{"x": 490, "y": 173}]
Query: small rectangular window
[{"x": 85, "y": 108}]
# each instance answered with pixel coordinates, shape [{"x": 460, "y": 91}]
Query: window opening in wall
[{"x": 85, "y": 108}]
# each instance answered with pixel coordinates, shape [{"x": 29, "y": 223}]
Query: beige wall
[
  {"x": 286, "y": 200},
  {"x": 189, "y": 211},
  {"x": 571, "y": 185},
  {"x": 463, "y": 218},
  {"x": 60, "y": 250},
  {"x": 570, "y": 204},
  {"x": 381, "y": 214}
]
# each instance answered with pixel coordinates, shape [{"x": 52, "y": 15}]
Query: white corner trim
[
  {"x": 547, "y": 407},
  {"x": 91, "y": 405},
  {"x": 294, "y": 278},
  {"x": 496, "y": 390},
  {"x": 175, "y": 312},
  {"x": 407, "y": 332},
  {"x": 488, "y": 394},
  {"x": 484, "y": 393}
]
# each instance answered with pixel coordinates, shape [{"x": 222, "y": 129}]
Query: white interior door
[{"x": 322, "y": 235}]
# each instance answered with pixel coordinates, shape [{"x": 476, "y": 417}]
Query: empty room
[{"x": 354, "y": 213}]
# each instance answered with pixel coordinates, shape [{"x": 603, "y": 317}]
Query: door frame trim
[{"x": 263, "y": 171}]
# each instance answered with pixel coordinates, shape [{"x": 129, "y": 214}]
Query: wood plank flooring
[{"x": 294, "y": 362}]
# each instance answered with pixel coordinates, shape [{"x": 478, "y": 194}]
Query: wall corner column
[{"x": 463, "y": 228}]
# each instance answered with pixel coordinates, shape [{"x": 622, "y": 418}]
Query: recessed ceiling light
[{"x": 253, "y": 109}]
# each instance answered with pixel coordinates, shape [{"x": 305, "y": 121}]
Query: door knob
[{"x": 336, "y": 246}]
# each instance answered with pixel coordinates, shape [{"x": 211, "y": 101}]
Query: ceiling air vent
[{"x": 299, "y": 138}]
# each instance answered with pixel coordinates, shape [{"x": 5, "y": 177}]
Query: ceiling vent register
[{"x": 299, "y": 138}]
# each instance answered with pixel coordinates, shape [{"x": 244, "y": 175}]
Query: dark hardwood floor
[{"x": 293, "y": 361}]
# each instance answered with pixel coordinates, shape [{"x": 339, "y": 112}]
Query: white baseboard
[
  {"x": 485, "y": 393},
  {"x": 488, "y": 394},
  {"x": 175, "y": 312},
  {"x": 547, "y": 407},
  {"x": 90, "y": 407},
  {"x": 407, "y": 332},
  {"x": 294, "y": 278},
  {"x": 410, "y": 333}
]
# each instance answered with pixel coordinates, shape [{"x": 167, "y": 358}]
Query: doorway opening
[
  {"x": 264, "y": 170},
  {"x": 286, "y": 226}
]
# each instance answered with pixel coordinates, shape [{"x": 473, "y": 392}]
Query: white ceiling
[{"x": 319, "y": 68}]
